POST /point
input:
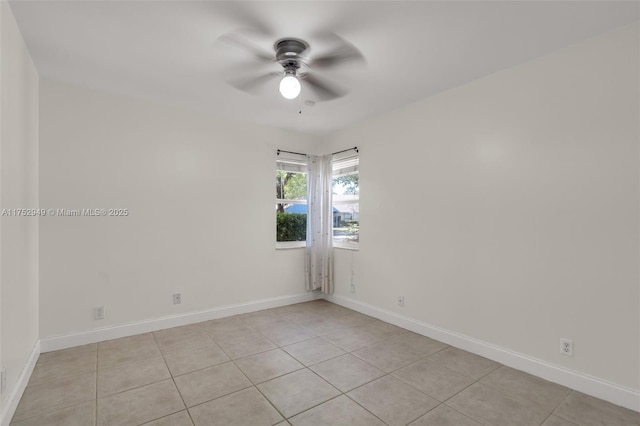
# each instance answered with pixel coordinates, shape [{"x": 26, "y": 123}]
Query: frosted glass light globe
[{"x": 289, "y": 87}]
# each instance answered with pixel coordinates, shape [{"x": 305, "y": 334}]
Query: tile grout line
[
  {"x": 390, "y": 375},
  {"x": 124, "y": 364},
  {"x": 271, "y": 404},
  {"x": 560, "y": 404},
  {"x": 517, "y": 398},
  {"x": 463, "y": 414},
  {"x": 365, "y": 408},
  {"x": 379, "y": 340},
  {"x": 337, "y": 396},
  {"x": 253, "y": 384},
  {"x": 313, "y": 372},
  {"x": 57, "y": 410},
  {"x": 476, "y": 381},
  {"x": 304, "y": 367},
  {"x": 261, "y": 393},
  {"x": 425, "y": 357},
  {"x": 315, "y": 363},
  {"x": 174, "y": 384}
]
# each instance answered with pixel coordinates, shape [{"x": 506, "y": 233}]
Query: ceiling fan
[{"x": 299, "y": 66}]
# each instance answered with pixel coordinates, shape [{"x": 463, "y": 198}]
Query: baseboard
[
  {"x": 154, "y": 324},
  {"x": 11, "y": 405},
  {"x": 619, "y": 395}
]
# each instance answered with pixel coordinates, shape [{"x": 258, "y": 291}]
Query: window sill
[
  {"x": 288, "y": 245},
  {"x": 341, "y": 247}
]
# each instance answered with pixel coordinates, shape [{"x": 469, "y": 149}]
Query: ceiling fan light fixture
[
  {"x": 292, "y": 55},
  {"x": 289, "y": 86}
]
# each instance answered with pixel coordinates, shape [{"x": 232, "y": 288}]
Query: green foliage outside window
[
  {"x": 290, "y": 186},
  {"x": 291, "y": 227},
  {"x": 296, "y": 186}
]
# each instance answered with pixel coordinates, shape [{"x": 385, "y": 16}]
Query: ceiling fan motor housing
[{"x": 288, "y": 51}]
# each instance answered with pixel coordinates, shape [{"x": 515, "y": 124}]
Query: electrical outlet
[
  {"x": 98, "y": 313},
  {"x": 3, "y": 379},
  {"x": 353, "y": 288},
  {"x": 401, "y": 301},
  {"x": 177, "y": 298},
  {"x": 566, "y": 347}
]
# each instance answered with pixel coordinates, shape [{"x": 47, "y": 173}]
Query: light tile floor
[{"x": 313, "y": 363}]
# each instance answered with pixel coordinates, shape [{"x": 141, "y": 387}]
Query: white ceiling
[{"x": 168, "y": 50}]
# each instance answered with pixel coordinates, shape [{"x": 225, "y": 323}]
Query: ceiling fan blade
[
  {"x": 254, "y": 84},
  {"x": 344, "y": 52},
  {"x": 323, "y": 89},
  {"x": 257, "y": 51}
]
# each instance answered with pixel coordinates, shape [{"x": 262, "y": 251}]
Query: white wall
[
  {"x": 202, "y": 213},
  {"x": 507, "y": 210},
  {"x": 18, "y": 189}
]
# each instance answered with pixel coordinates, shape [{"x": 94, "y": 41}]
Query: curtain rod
[
  {"x": 355, "y": 148},
  {"x": 289, "y": 152}
]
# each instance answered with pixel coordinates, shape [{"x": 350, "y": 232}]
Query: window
[
  {"x": 346, "y": 204},
  {"x": 291, "y": 200}
]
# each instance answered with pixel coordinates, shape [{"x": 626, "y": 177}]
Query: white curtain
[{"x": 319, "y": 251}]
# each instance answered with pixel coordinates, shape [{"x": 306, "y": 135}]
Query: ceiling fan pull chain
[{"x": 300, "y": 102}]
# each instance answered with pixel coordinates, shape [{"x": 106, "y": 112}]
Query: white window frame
[
  {"x": 290, "y": 162},
  {"x": 344, "y": 164}
]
